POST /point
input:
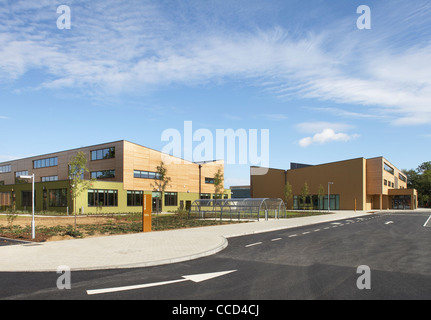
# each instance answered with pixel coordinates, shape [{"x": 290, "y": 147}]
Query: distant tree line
[{"x": 420, "y": 179}]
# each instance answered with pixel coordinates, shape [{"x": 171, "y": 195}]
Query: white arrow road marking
[
  {"x": 389, "y": 222},
  {"x": 194, "y": 278}
]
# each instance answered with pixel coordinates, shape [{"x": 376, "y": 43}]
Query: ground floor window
[
  {"x": 401, "y": 202},
  {"x": 135, "y": 198},
  {"x": 205, "y": 196},
  {"x": 26, "y": 199},
  {"x": 171, "y": 198},
  {"x": 102, "y": 198},
  {"x": 5, "y": 200},
  {"x": 315, "y": 202},
  {"x": 57, "y": 197}
]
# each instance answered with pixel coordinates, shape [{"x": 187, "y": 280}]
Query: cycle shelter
[{"x": 249, "y": 209}]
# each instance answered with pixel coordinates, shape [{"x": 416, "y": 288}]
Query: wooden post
[{"x": 146, "y": 213}]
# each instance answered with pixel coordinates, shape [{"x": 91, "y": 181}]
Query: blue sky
[{"x": 324, "y": 89}]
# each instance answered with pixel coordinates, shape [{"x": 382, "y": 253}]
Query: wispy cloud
[{"x": 133, "y": 47}]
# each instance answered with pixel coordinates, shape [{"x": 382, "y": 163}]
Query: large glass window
[
  {"x": 146, "y": 175},
  {"x": 43, "y": 163},
  {"x": 402, "y": 178},
  {"x": 50, "y": 178},
  {"x": 135, "y": 198},
  {"x": 103, "y": 174},
  {"x": 6, "y": 168},
  {"x": 26, "y": 197},
  {"x": 57, "y": 197},
  {"x": 101, "y": 154},
  {"x": 102, "y": 198},
  {"x": 314, "y": 202},
  {"x": 171, "y": 198},
  {"x": 388, "y": 168}
]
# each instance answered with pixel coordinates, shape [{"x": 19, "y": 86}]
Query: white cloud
[
  {"x": 122, "y": 47},
  {"x": 319, "y": 126},
  {"x": 325, "y": 136}
]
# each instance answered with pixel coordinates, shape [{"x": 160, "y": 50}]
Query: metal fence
[{"x": 250, "y": 208}]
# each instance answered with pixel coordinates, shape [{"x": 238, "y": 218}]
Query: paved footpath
[{"x": 143, "y": 249}]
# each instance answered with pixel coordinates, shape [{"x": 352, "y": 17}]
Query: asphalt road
[{"x": 313, "y": 262}]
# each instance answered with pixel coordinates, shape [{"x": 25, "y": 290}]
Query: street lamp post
[
  {"x": 329, "y": 198},
  {"x": 33, "y": 229}
]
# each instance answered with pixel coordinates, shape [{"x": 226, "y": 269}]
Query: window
[
  {"x": 101, "y": 154},
  {"x": 171, "y": 198},
  {"x": 385, "y": 182},
  {"x": 146, "y": 175},
  {"x": 209, "y": 180},
  {"x": 21, "y": 173},
  {"x": 388, "y": 168},
  {"x": 18, "y": 174},
  {"x": 57, "y": 198},
  {"x": 205, "y": 196},
  {"x": 135, "y": 198},
  {"x": 103, "y": 174},
  {"x": 44, "y": 163},
  {"x": 402, "y": 178},
  {"x": 6, "y": 168},
  {"x": 26, "y": 197},
  {"x": 50, "y": 178},
  {"x": 74, "y": 173},
  {"x": 102, "y": 198}
]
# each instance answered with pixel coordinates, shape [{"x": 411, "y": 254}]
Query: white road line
[
  {"x": 316, "y": 230},
  {"x": 253, "y": 244},
  {"x": 306, "y": 232},
  {"x": 326, "y": 228},
  {"x": 427, "y": 221},
  {"x": 276, "y": 239},
  {"x": 293, "y": 235}
]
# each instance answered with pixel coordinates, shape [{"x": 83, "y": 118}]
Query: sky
[{"x": 323, "y": 88}]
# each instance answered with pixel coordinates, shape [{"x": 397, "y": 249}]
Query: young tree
[
  {"x": 304, "y": 193},
  {"x": 162, "y": 181},
  {"x": 77, "y": 169},
  {"x": 218, "y": 184},
  {"x": 287, "y": 192}
]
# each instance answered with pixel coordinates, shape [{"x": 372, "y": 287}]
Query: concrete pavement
[{"x": 143, "y": 249}]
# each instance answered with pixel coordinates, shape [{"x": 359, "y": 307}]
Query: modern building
[
  {"x": 122, "y": 171},
  {"x": 356, "y": 184}
]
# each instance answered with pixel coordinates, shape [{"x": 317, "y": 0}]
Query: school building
[
  {"x": 356, "y": 184},
  {"x": 122, "y": 172}
]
